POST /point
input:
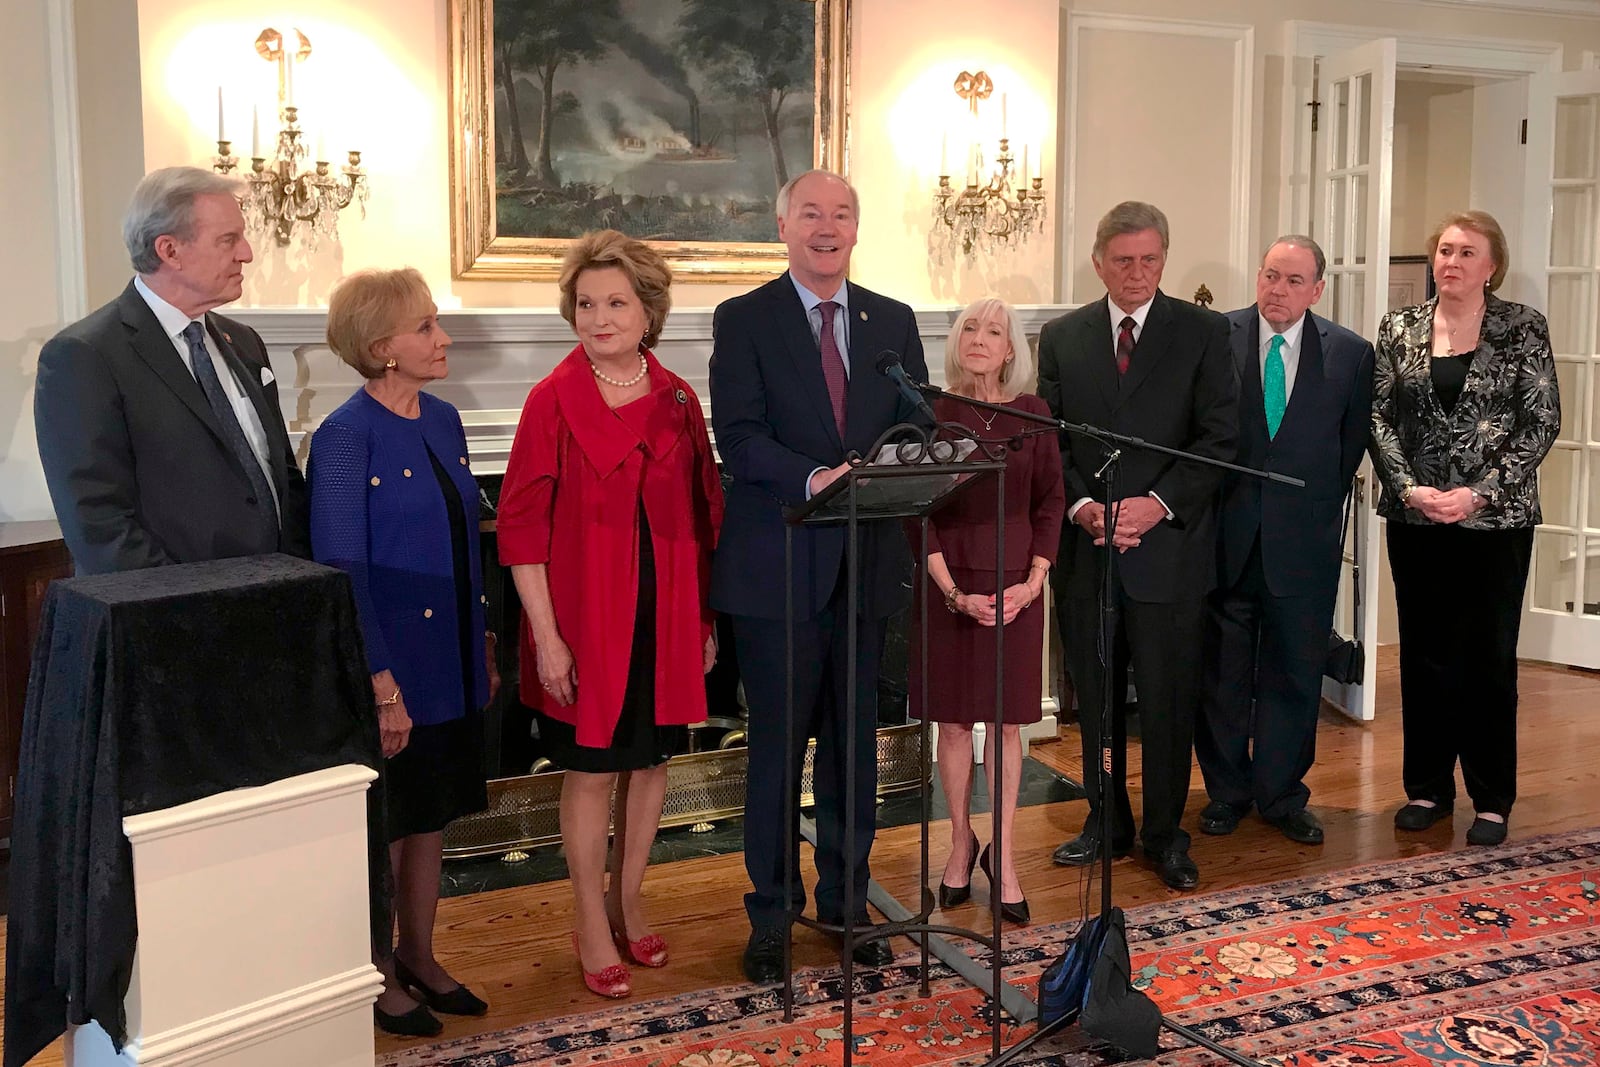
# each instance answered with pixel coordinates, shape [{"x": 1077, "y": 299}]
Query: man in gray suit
[{"x": 158, "y": 421}]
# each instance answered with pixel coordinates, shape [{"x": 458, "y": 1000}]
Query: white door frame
[{"x": 1305, "y": 41}]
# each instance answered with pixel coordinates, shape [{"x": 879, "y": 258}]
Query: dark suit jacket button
[{"x": 250, "y": 500}]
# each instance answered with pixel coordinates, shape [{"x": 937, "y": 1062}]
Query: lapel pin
[
  {"x": 863, "y": 316},
  {"x": 683, "y": 397},
  {"x": 226, "y": 336}
]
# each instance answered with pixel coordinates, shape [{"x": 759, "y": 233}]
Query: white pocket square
[{"x": 266, "y": 376}]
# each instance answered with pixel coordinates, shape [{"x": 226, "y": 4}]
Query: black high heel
[
  {"x": 952, "y": 896},
  {"x": 459, "y": 1001},
  {"x": 1012, "y": 911}
]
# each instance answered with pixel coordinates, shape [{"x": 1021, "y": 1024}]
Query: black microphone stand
[{"x": 1115, "y": 443}]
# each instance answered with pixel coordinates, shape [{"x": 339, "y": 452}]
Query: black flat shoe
[
  {"x": 1012, "y": 911},
  {"x": 1419, "y": 816},
  {"x": 763, "y": 956},
  {"x": 1300, "y": 826},
  {"x": 1486, "y": 831},
  {"x": 459, "y": 1001},
  {"x": 1084, "y": 851},
  {"x": 1175, "y": 867},
  {"x": 418, "y": 1022},
  {"x": 951, "y": 896},
  {"x": 1219, "y": 818}
]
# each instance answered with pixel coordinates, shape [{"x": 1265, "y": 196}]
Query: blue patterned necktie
[
  {"x": 205, "y": 372},
  {"x": 1273, "y": 385}
]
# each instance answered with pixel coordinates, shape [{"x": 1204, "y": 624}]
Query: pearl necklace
[{"x": 644, "y": 368}]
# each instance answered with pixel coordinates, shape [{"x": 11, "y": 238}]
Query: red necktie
[
  {"x": 832, "y": 364},
  {"x": 1124, "y": 343}
]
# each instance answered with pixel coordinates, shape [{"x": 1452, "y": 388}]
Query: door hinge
[
  {"x": 1523, "y": 134},
  {"x": 2, "y": 604}
]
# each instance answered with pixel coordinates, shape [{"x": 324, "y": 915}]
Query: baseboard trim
[{"x": 260, "y": 1021}]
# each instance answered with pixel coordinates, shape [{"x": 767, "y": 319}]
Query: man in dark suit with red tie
[
  {"x": 793, "y": 391},
  {"x": 1142, "y": 364},
  {"x": 157, "y": 420},
  {"x": 1305, "y": 411}
]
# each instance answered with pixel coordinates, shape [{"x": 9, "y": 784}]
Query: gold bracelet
[
  {"x": 950, "y": 597},
  {"x": 390, "y": 700}
]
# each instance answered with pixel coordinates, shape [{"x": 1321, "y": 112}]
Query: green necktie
[{"x": 1273, "y": 386}]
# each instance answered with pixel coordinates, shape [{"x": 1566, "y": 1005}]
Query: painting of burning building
[{"x": 671, "y": 120}]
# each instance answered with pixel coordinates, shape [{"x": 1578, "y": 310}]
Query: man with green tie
[{"x": 1305, "y": 403}]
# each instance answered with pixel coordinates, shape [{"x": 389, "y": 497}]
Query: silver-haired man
[{"x": 158, "y": 421}]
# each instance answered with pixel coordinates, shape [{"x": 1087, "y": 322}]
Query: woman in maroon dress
[
  {"x": 608, "y": 516},
  {"x": 987, "y": 358}
]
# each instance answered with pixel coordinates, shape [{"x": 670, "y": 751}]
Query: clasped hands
[
  {"x": 1135, "y": 516},
  {"x": 1445, "y": 505},
  {"x": 980, "y": 607}
]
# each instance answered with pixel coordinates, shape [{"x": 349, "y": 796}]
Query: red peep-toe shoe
[
  {"x": 649, "y": 951},
  {"x": 611, "y": 982}
]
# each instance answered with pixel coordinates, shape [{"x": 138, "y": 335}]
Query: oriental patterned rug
[{"x": 1487, "y": 958}]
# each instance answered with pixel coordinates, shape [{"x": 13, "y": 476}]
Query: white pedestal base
[{"x": 254, "y": 944}]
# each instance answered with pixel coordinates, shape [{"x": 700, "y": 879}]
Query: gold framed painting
[{"x": 675, "y": 121}]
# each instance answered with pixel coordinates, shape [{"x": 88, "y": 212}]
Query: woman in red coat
[
  {"x": 608, "y": 516},
  {"x": 987, "y": 358}
]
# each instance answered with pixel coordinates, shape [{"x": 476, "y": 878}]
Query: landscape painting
[{"x": 674, "y": 121}]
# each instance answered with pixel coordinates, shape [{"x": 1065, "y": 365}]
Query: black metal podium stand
[{"x": 909, "y": 482}]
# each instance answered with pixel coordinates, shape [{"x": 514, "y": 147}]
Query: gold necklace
[
  {"x": 635, "y": 380},
  {"x": 1450, "y": 331}
]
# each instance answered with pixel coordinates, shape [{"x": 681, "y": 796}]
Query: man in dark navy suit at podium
[
  {"x": 793, "y": 390},
  {"x": 157, "y": 419},
  {"x": 1305, "y": 404}
]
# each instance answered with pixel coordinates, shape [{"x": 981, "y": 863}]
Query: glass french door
[
  {"x": 1351, "y": 175},
  {"x": 1561, "y": 228}
]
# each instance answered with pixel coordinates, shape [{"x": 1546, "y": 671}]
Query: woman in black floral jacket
[{"x": 1464, "y": 408}]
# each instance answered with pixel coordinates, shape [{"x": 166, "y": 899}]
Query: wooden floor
[{"x": 511, "y": 946}]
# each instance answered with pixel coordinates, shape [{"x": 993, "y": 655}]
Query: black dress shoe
[
  {"x": 952, "y": 896},
  {"x": 1175, "y": 867},
  {"x": 1220, "y": 818},
  {"x": 1084, "y": 850},
  {"x": 1486, "y": 831},
  {"x": 418, "y": 1022},
  {"x": 875, "y": 953},
  {"x": 1301, "y": 826},
  {"x": 1416, "y": 816},
  {"x": 459, "y": 1001},
  {"x": 763, "y": 956},
  {"x": 1012, "y": 911}
]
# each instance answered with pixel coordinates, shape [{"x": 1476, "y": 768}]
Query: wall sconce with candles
[
  {"x": 997, "y": 209},
  {"x": 280, "y": 191}
]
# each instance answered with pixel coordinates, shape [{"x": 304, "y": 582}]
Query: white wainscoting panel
[{"x": 498, "y": 355}]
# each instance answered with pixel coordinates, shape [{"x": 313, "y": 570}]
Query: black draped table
[{"x": 151, "y": 689}]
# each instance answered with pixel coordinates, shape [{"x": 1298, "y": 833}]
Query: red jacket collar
[{"x": 606, "y": 439}]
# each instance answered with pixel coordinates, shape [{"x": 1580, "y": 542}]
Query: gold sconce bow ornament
[
  {"x": 281, "y": 193},
  {"x": 972, "y": 88},
  {"x": 998, "y": 210}
]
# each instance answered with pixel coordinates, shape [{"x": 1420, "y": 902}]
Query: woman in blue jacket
[{"x": 394, "y": 503}]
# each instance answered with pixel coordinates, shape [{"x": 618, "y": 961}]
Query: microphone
[{"x": 889, "y": 366}]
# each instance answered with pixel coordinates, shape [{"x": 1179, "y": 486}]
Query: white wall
[
  {"x": 30, "y": 301},
  {"x": 1432, "y": 159}
]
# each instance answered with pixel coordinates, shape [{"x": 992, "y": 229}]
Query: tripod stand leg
[
  {"x": 1032, "y": 1039},
  {"x": 1197, "y": 1038}
]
